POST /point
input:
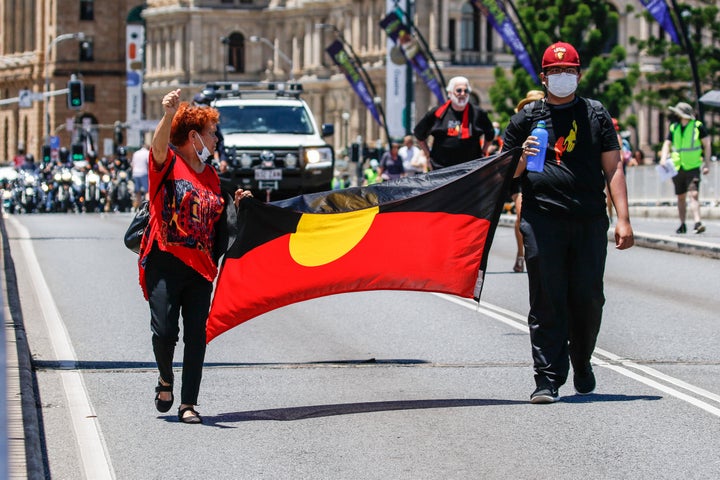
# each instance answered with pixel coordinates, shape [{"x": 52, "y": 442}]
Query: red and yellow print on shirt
[{"x": 566, "y": 143}]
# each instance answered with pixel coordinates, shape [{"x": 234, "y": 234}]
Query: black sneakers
[
  {"x": 681, "y": 229},
  {"x": 699, "y": 227},
  {"x": 545, "y": 394},
  {"x": 584, "y": 382}
]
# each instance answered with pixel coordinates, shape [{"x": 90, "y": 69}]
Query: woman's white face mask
[
  {"x": 562, "y": 84},
  {"x": 205, "y": 153}
]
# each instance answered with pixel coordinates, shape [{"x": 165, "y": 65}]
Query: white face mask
[
  {"x": 562, "y": 84},
  {"x": 205, "y": 153}
]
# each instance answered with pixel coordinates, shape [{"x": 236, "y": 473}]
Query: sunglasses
[{"x": 460, "y": 91}]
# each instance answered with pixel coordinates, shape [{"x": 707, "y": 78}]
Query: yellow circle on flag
[{"x": 323, "y": 238}]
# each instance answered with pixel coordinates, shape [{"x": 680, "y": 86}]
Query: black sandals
[
  {"x": 163, "y": 405},
  {"x": 194, "y": 418}
]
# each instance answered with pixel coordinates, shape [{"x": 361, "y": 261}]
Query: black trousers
[
  {"x": 565, "y": 261},
  {"x": 174, "y": 288}
]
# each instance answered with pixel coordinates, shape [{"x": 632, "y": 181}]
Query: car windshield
[{"x": 264, "y": 119}]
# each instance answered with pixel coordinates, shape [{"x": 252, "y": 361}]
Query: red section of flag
[{"x": 401, "y": 251}]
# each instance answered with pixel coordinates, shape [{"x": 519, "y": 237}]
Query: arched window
[
  {"x": 469, "y": 28},
  {"x": 235, "y": 55}
]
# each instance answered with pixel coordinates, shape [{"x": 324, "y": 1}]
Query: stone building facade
[
  {"x": 35, "y": 55},
  {"x": 191, "y": 42}
]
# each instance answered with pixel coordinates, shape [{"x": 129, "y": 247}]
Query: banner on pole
[
  {"x": 496, "y": 14},
  {"x": 337, "y": 52},
  {"x": 410, "y": 48},
  {"x": 661, "y": 13}
]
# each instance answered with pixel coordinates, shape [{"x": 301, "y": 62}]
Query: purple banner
[
  {"x": 410, "y": 48},
  {"x": 342, "y": 60},
  {"x": 660, "y": 11},
  {"x": 498, "y": 17}
]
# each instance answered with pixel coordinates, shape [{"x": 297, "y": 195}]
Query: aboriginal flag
[{"x": 429, "y": 232}]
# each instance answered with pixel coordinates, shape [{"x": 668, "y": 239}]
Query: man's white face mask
[{"x": 562, "y": 84}]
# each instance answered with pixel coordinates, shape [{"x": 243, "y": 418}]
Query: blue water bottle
[{"x": 535, "y": 163}]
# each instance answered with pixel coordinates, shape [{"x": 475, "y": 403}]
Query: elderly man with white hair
[{"x": 461, "y": 131}]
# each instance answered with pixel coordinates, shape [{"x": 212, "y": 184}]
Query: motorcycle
[
  {"x": 29, "y": 191},
  {"x": 63, "y": 191},
  {"x": 121, "y": 191},
  {"x": 93, "y": 197}
]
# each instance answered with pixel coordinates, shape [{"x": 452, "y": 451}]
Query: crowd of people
[{"x": 562, "y": 216}]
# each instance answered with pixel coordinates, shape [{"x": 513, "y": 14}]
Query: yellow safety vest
[{"x": 687, "y": 148}]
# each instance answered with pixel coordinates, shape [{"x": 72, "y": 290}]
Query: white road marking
[
  {"x": 603, "y": 358},
  {"x": 91, "y": 444}
]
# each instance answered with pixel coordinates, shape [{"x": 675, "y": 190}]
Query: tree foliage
[
  {"x": 591, "y": 27},
  {"x": 672, "y": 81}
]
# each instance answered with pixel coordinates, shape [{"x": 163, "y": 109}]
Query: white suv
[{"x": 271, "y": 140}]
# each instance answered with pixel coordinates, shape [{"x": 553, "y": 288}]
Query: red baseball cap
[{"x": 560, "y": 54}]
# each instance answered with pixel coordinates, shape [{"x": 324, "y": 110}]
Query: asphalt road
[{"x": 376, "y": 385}]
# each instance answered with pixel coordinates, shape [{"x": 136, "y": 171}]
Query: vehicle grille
[{"x": 257, "y": 156}]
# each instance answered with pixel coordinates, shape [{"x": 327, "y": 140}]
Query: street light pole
[
  {"x": 346, "y": 121},
  {"x": 59, "y": 38},
  {"x": 281, "y": 54},
  {"x": 225, "y": 41}
]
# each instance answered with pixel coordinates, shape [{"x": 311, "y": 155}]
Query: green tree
[
  {"x": 591, "y": 27},
  {"x": 673, "y": 81}
]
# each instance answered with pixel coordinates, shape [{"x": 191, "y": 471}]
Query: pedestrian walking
[
  {"x": 564, "y": 222},
  {"x": 461, "y": 131},
  {"x": 414, "y": 162},
  {"x": 177, "y": 262},
  {"x": 687, "y": 146},
  {"x": 391, "y": 165},
  {"x": 139, "y": 166}
]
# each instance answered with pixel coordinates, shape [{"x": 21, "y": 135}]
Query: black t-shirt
[
  {"x": 572, "y": 181},
  {"x": 448, "y": 148}
]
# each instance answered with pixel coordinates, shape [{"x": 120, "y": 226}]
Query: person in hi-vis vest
[{"x": 688, "y": 147}]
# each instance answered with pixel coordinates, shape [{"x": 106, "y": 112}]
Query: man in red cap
[{"x": 564, "y": 222}]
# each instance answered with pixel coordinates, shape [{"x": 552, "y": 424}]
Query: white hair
[{"x": 455, "y": 80}]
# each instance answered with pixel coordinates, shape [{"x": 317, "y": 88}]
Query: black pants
[
  {"x": 565, "y": 261},
  {"x": 174, "y": 288}
]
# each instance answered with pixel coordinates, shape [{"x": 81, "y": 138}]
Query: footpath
[
  {"x": 654, "y": 227},
  {"x": 20, "y": 452}
]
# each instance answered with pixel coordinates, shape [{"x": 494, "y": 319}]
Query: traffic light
[
  {"x": 77, "y": 152},
  {"x": 118, "y": 137},
  {"x": 46, "y": 151},
  {"x": 76, "y": 94}
]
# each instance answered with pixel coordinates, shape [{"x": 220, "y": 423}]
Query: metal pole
[
  {"x": 693, "y": 61},
  {"x": 409, "y": 76},
  {"x": 59, "y": 38},
  {"x": 279, "y": 52},
  {"x": 361, "y": 69},
  {"x": 528, "y": 37},
  {"x": 423, "y": 41}
]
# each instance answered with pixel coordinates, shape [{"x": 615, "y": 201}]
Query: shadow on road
[{"x": 316, "y": 411}]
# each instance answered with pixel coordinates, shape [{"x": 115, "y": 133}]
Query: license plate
[{"x": 268, "y": 174}]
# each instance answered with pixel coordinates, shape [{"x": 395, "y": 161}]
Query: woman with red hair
[{"x": 177, "y": 261}]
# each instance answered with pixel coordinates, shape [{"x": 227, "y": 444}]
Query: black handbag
[{"x": 139, "y": 223}]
